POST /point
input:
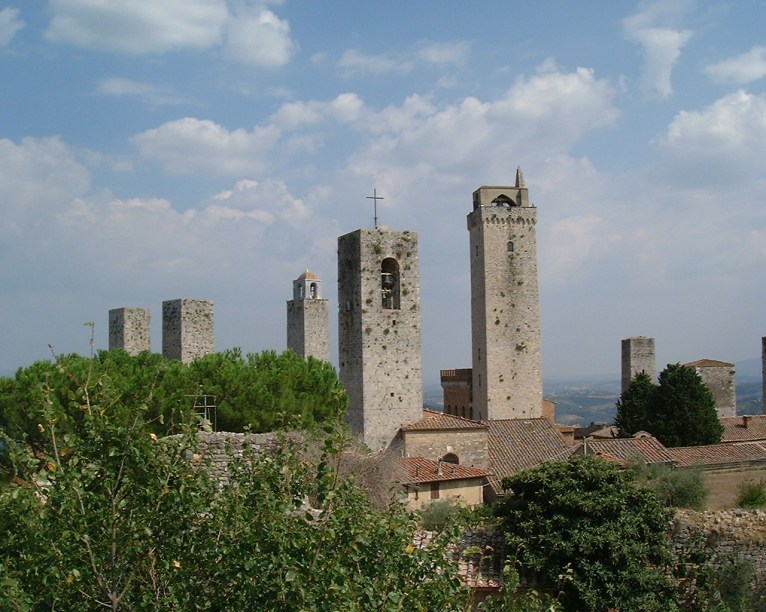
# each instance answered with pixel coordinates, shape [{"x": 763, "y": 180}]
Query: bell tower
[
  {"x": 505, "y": 305},
  {"x": 379, "y": 332},
  {"x": 308, "y": 332}
]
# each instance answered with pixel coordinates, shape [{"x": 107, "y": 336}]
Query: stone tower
[
  {"x": 505, "y": 308},
  {"x": 308, "y": 332},
  {"x": 129, "y": 329},
  {"x": 720, "y": 379},
  {"x": 379, "y": 332},
  {"x": 187, "y": 329},
  {"x": 763, "y": 373},
  {"x": 637, "y": 357}
]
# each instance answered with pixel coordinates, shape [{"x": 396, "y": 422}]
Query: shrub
[
  {"x": 751, "y": 494},
  {"x": 676, "y": 488}
]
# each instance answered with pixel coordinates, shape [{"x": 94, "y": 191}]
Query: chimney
[
  {"x": 745, "y": 419},
  {"x": 439, "y": 467}
]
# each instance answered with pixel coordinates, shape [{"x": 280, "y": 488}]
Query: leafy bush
[
  {"x": 751, "y": 494},
  {"x": 676, "y": 488}
]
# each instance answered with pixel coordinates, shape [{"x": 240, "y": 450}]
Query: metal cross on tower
[{"x": 375, "y": 197}]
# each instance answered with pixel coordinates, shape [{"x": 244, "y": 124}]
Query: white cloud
[
  {"x": 444, "y": 53},
  {"x": 727, "y": 138},
  {"x": 149, "y": 93},
  {"x": 742, "y": 69},
  {"x": 572, "y": 241},
  {"x": 258, "y": 37},
  {"x": 10, "y": 24},
  {"x": 354, "y": 62},
  {"x": 189, "y": 145},
  {"x": 138, "y": 26},
  {"x": 661, "y": 46}
]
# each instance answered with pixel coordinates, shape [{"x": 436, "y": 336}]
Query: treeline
[{"x": 257, "y": 392}]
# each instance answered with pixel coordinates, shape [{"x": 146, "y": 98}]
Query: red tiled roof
[
  {"x": 418, "y": 469},
  {"x": 718, "y": 454},
  {"x": 708, "y": 363},
  {"x": 438, "y": 420},
  {"x": 734, "y": 429},
  {"x": 648, "y": 448},
  {"x": 516, "y": 444}
]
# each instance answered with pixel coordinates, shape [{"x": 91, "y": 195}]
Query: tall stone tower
[
  {"x": 637, "y": 357},
  {"x": 505, "y": 305},
  {"x": 308, "y": 332},
  {"x": 379, "y": 332},
  {"x": 187, "y": 329},
  {"x": 763, "y": 373},
  {"x": 129, "y": 329}
]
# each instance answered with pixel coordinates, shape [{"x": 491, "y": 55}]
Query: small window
[
  {"x": 313, "y": 291},
  {"x": 434, "y": 490},
  {"x": 389, "y": 284},
  {"x": 510, "y": 246},
  {"x": 451, "y": 458}
]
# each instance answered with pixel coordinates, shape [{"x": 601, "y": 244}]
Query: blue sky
[{"x": 152, "y": 150}]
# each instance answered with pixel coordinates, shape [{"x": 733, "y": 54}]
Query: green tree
[
  {"x": 585, "y": 528},
  {"x": 679, "y": 411},
  {"x": 104, "y": 514}
]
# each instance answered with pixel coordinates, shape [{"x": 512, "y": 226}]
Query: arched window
[
  {"x": 313, "y": 291},
  {"x": 451, "y": 458},
  {"x": 510, "y": 246},
  {"x": 389, "y": 283}
]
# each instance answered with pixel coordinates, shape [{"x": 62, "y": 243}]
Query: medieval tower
[
  {"x": 637, "y": 357},
  {"x": 129, "y": 329},
  {"x": 505, "y": 308},
  {"x": 379, "y": 332},
  {"x": 187, "y": 329},
  {"x": 308, "y": 333}
]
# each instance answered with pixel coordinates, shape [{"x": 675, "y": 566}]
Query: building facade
[
  {"x": 308, "y": 331},
  {"x": 505, "y": 306},
  {"x": 379, "y": 347}
]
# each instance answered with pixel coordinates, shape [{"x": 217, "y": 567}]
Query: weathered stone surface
[
  {"x": 129, "y": 329},
  {"x": 187, "y": 329}
]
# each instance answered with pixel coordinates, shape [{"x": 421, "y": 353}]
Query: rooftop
[
  {"x": 419, "y": 470},
  {"x": 438, "y": 420}
]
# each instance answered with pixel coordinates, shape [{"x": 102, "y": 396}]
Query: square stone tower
[
  {"x": 187, "y": 329},
  {"x": 505, "y": 304},
  {"x": 719, "y": 377},
  {"x": 308, "y": 331},
  {"x": 637, "y": 357},
  {"x": 379, "y": 332},
  {"x": 129, "y": 329}
]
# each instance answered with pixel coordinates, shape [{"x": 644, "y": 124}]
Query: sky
[{"x": 215, "y": 149}]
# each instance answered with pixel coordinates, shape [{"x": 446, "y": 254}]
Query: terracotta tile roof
[
  {"x": 483, "y": 569},
  {"x": 417, "y": 469},
  {"x": 708, "y": 363},
  {"x": 624, "y": 450},
  {"x": 734, "y": 429},
  {"x": 516, "y": 444},
  {"x": 718, "y": 454},
  {"x": 439, "y": 420}
]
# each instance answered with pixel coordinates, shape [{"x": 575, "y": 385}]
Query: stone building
[
  {"x": 187, "y": 329},
  {"x": 505, "y": 308},
  {"x": 379, "y": 331},
  {"x": 129, "y": 329},
  {"x": 637, "y": 357},
  {"x": 719, "y": 377},
  {"x": 457, "y": 387},
  {"x": 308, "y": 331}
]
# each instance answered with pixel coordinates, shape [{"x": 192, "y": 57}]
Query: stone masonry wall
[
  {"x": 637, "y": 357},
  {"x": 720, "y": 381},
  {"x": 379, "y": 344},
  {"x": 129, "y": 329},
  {"x": 470, "y": 445},
  {"x": 726, "y": 535},
  {"x": 505, "y": 306},
  {"x": 308, "y": 331},
  {"x": 187, "y": 329}
]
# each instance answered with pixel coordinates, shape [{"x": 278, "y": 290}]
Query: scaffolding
[{"x": 205, "y": 409}]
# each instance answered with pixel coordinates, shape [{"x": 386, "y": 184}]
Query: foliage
[
  {"x": 103, "y": 513},
  {"x": 751, "y": 495},
  {"x": 587, "y": 529},
  {"x": 676, "y": 488},
  {"x": 679, "y": 411},
  {"x": 260, "y": 392}
]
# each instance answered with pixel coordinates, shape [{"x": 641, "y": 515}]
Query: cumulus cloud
[
  {"x": 256, "y": 36},
  {"x": 742, "y": 69},
  {"x": 190, "y": 145},
  {"x": 661, "y": 46},
  {"x": 139, "y": 26},
  {"x": 10, "y": 24},
  {"x": 354, "y": 62},
  {"x": 727, "y": 138}
]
